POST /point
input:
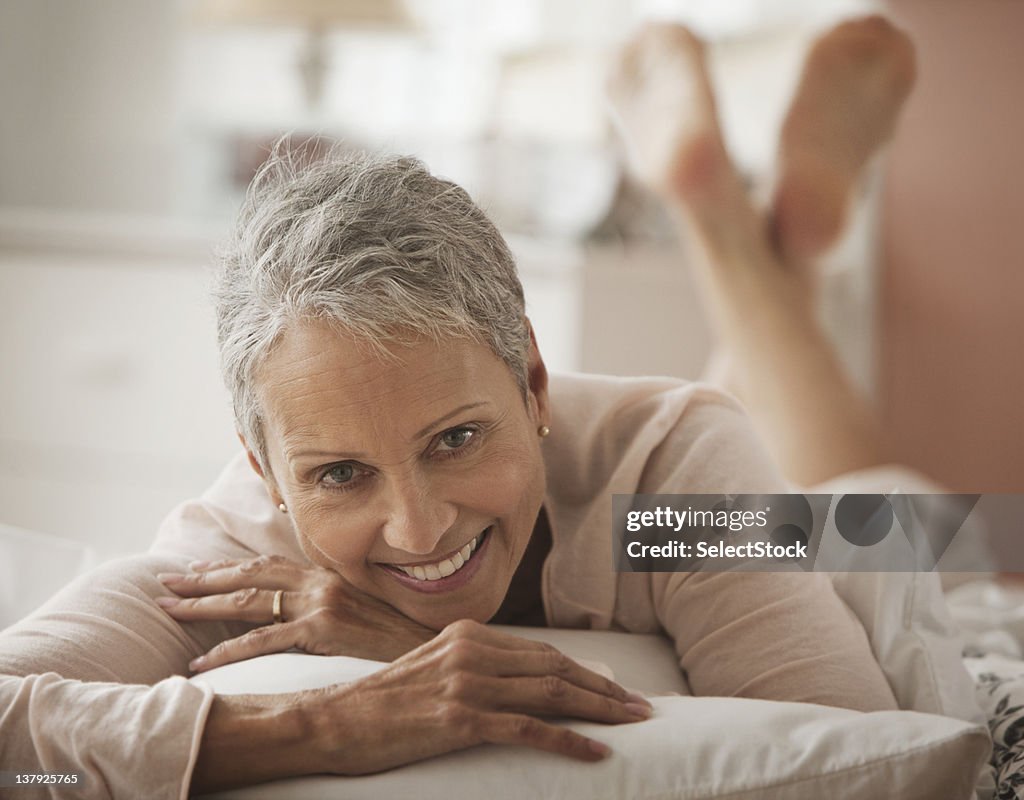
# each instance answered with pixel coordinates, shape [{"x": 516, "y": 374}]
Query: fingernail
[
  {"x": 167, "y": 602},
  {"x": 170, "y": 577},
  {"x": 197, "y": 663},
  {"x": 637, "y": 710},
  {"x": 599, "y": 748},
  {"x": 633, "y": 697},
  {"x": 198, "y": 565}
]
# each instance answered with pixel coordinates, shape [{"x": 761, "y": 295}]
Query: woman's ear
[
  {"x": 254, "y": 462},
  {"x": 537, "y": 381}
]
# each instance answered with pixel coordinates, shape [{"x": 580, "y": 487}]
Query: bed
[
  {"x": 953, "y": 660},
  {"x": 958, "y": 674}
]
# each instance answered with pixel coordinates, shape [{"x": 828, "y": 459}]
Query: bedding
[
  {"x": 904, "y": 616},
  {"x": 694, "y": 748},
  {"x": 990, "y": 616},
  {"x": 916, "y": 640},
  {"x": 1000, "y": 691}
]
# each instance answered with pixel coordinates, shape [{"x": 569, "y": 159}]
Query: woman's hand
[
  {"x": 469, "y": 685},
  {"x": 322, "y": 614}
]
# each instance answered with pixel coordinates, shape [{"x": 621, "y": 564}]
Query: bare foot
[
  {"x": 664, "y": 108},
  {"x": 782, "y": 366},
  {"x": 855, "y": 80},
  {"x": 662, "y": 101}
]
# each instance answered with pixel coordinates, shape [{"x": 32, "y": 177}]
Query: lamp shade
[{"x": 304, "y": 13}]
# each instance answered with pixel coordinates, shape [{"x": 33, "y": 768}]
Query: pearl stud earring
[{"x": 543, "y": 431}]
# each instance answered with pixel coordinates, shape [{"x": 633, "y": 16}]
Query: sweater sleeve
[
  {"x": 92, "y": 684},
  {"x": 770, "y": 635}
]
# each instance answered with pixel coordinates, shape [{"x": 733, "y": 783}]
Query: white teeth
[{"x": 442, "y": 569}]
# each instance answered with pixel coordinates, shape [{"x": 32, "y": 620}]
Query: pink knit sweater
[{"x": 93, "y": 682}]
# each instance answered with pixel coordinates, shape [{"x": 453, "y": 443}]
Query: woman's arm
[
  {"x": 770, "y": 635},
  {"x": 469, "y": 685},
  {"x": 90, "y": 684},
  {"x": 119, "y": 741},
  {"x": 773, "y": 636},
  {"x": 250, "y": 739}
]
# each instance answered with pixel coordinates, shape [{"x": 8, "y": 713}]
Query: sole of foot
[
  {"x": 664, "y": 108},
  {"x": 855, "y": 81}
]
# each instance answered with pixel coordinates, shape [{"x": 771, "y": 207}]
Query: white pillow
[
  {"x": 692, "y": 748},
  {"x": 905, "y": 615},
  {"x": 914, "y": 640},
  {"x": 646, "y": 662},
  {"x": 991, "y": 615}
]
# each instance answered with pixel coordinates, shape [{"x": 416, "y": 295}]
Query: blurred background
[{"x": 128, "y": 131}]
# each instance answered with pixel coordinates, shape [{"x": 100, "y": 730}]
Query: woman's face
[{"x": 419, "y": 478}]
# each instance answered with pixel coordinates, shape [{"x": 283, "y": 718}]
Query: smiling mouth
[{"x": 446, "y": 566}]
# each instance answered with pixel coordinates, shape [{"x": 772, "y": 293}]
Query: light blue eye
[
  {"x": 457, "y": 437},
  {"x": 340, "y": 473}
]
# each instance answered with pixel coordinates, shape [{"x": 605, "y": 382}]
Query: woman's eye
[
  {"x": 457, "y": 437},
  {"x": 339, "y": 474}
]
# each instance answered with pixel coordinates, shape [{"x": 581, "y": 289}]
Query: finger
[
  {"x": 504, "y": 655},
  {"x": 485, "y": 634},
  {"x": 552, "y": 696},
  {"x": 265, "y": 572},
  {"x": 524, "y": 730},
  {"x": 553, "y": 662},
  {"x": 199, "y": 566},
  {"x": 245, "y": 605},
  {"x": 257, "y": 642}
]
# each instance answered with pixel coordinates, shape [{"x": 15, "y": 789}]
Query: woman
[{"x": 410, "y": 472}]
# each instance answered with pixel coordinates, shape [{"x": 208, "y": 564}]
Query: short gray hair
[{"x": 373, "y": 243}]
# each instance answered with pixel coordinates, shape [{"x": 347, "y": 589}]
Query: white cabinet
[{"x": 111, "y": 409}]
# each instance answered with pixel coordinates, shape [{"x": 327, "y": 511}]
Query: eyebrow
[{"x": 418, "y": 435}]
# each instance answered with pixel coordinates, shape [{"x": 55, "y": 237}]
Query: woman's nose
[{"x": 417, "y": 517}]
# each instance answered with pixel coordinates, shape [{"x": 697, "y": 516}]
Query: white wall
[
  {"x": 111, "y": 407},
  {"x": 88, "y": 115}
]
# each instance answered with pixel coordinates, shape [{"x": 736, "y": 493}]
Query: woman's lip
[
  {"x": 436, "y": 560},
  {"x": 454, "y": 581}
]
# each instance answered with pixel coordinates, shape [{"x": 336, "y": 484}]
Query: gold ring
[{"x": 277, "y": 606}]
